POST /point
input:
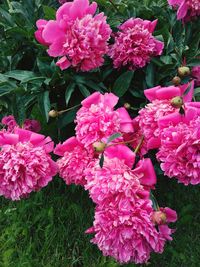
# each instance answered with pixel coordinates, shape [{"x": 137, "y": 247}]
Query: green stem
[
  {"x": 65, "y": 110},
  {"x": 139, "y": 145}
]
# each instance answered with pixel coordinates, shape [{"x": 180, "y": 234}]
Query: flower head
[
  {"x": 179, "y": 152},
  {"x": 134, "y": 44},
  {"x": 73, "y": 162},
  {"x": 97, "y": 120},
  {"x": 78, "y": 37},
  {"x": 11, "y": 124},
  {"x": 187, "y": 9},
  {"x": 25, "y": 163},
  {"x": 124, "y": 230}
]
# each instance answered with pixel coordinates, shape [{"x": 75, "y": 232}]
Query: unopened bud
[
  {"x": 53, "y": 113},
  {"x": 176, "y": 80},
  {"x": 183, "y": 71},
  {"x": 99, "y": 146},
  {"x": 177, "y": 102},
  {"x": 127, "y": 105},
  {"x": 159, "y": 217}
]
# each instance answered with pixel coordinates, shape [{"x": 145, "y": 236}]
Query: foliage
[{"x": 48, "y": 229}]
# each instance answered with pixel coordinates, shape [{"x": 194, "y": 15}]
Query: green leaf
[
  {"x": 44, "y": 104},
  {"x": 20, "y": 75},
  {"x": 19, "y": 109},
  {"x": 197, "y": 91},
  {"x": 69, "y": 91},
  {"x": 194, "y": 62},
  {"x": 85, "y": 92},
  {"x": 6, "y": 88},
  {"x": 67, "y": 118},
  {"x": 101, "y": 161},
  {"x": 122, "y": 84},
  {"x": 49, "y": 12},
  {"x": 150, "y": 75},
  {"x": 113, "y": 137}
]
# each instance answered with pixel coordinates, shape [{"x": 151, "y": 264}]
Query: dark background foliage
[{"x": 48, "y": 228}]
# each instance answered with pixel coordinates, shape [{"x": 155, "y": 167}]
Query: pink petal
[
  {"x": 182, "y": 11},
  {"x": 126, "y": 124},
  {"x": 94, "y": 98},
  {"x": 63, "y": 63},
  {"x": 68, "y": 145},
  {"x": 52, "y": 31},
  {"x": 121, "y": 152},
  {"x": 171, "y": 215},
  {"x": 78, "y": 8},
  {"x": 145, "y": 167}
]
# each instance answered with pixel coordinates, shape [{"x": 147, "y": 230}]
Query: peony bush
[{"x": 105, "y": 96}]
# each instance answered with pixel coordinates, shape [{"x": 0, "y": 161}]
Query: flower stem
[
  {"x": 65, "y": 110},
  {"x": 139, "y": 145}
]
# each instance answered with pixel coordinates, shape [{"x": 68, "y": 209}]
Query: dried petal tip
[
  {"x": 177, "y": 102},
  {"x": 159, "y": 217},
  {"x": 53, "y": 113},
  {"x": 99, "y": 146},
  {"x": 127, "y": 105},
  {"x": 176, "y": 80},
  {"x": 183, "y": 71}
]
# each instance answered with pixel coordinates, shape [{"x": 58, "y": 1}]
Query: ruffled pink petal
[
  {"x": 68, "y": 145},
  {"x": 63, "y": 63},
  {"x": 182, "y": 11},
  {"x": 94, "y": 98},
  {"x": 145, "y": 167},
  {"x": 51, "y": 31},
  {"x": 121, "y": 152},
  {"x": 171, "y": 215},
  {"x": 126, "y": 124},
  {"x": 78, "y": 8}
]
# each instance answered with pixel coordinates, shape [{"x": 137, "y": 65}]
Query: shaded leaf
[{"x": 122, "y": 84}]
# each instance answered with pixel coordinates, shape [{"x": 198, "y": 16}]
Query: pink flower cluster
[
  {"x": 25, "y": 163},
  {"x": 176, "y": 135},
  {"x": 76, "y": 36},
  {"x": 134, "y": 44},
  {"x": 187, "y": 9},
  {"x": 160, "y": 106},
  {"x": 11, "y": 124},
  {"x": 126, "y": 226}
]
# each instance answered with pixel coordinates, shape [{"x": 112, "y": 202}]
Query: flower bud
[
  {"x": 176, "y": 80},
  {"x": 177, "y": 101},
  {"x": 127, "y": 105},
  {"x": 99, "y": 146},
  {"x": 183, "y": 71},
  {"x": 53, "y": 113},
  {"x": 159, "y": 217}
]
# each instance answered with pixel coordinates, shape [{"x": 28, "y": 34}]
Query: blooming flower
[
  {"x": 187, "y": 9},
  {"x": 25, "y": 163},
  {"x": 78, "y": 37},
  {"x": 196, "y": 75},
  {"x": 160, "y": 107},
  {"x": 179, "y": 152},
  {"x": 116, "y": 177},
  {"x": 31, "y": 125},
  {"x": 134, "y": 44},
  {"x": 73, "y": 162},
  {"x": 124, "y": 230},
  {"x": 97, "y": 119}
]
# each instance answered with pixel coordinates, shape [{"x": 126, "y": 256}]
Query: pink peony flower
[
  {"x": 196, "y": 75},
  {"x": 134, "y": 44},
  {"x": 73, "y": 162},
  {"x": 25, "y": 163},
  {"x": 148, "y": 120},
  {"x": 97, "y": 119},
  {"x": 117, "y": 178},
  {"x": 179, "y": 153},
  {"x": 158, "y": 109},
  {"x": 78, "y": 37},
  {"x": 124, "y": 230},
  {"x": 187, "y": 9},
  {"x": 31, "y": 125}
]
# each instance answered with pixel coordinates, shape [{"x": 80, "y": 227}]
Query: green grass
[{"x": 47, "y": 230}]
